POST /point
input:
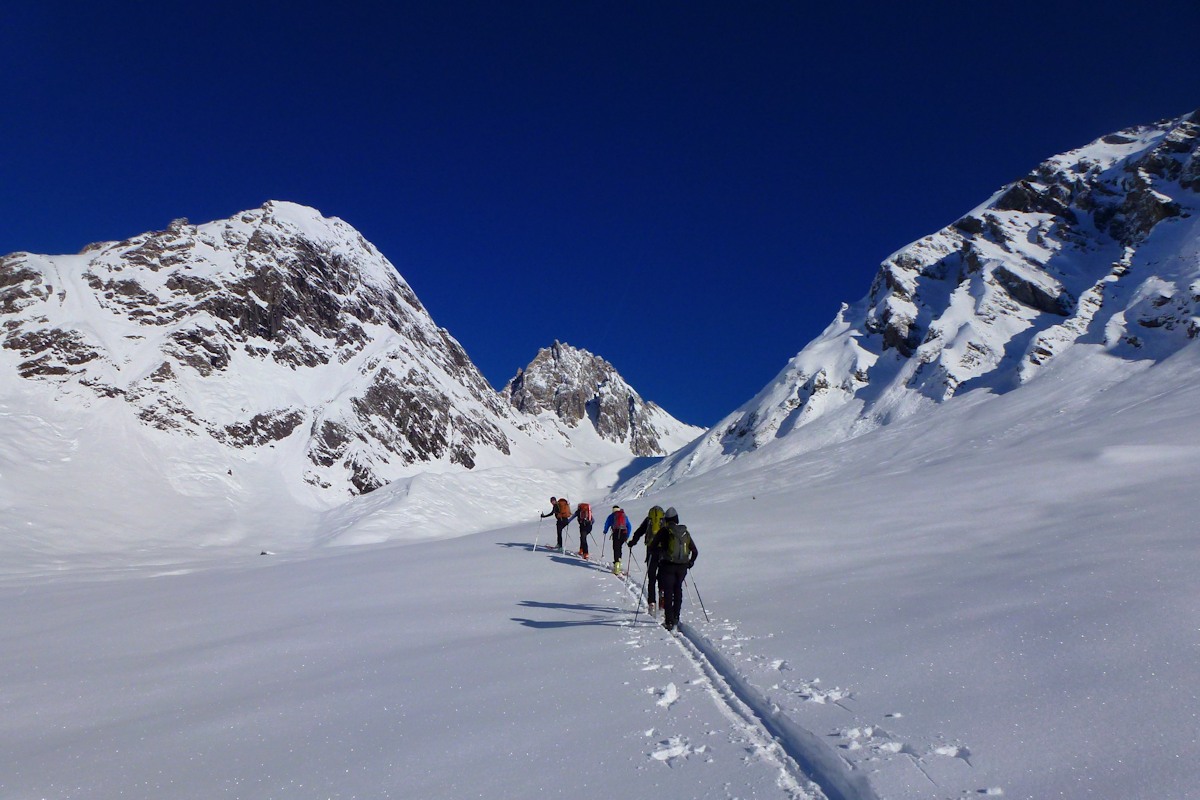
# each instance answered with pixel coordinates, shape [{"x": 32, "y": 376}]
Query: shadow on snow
[{"x": 586, "y": 613}]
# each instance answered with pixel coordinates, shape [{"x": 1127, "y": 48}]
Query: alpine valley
[
  {"x": 271, "y": 362},
  {"x": 950, "y": 551}
]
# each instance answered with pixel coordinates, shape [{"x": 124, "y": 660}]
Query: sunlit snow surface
[{"x": 997, "y": 596}]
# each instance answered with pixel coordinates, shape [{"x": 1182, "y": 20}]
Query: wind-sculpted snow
[{"x": 1100, "y": 245}]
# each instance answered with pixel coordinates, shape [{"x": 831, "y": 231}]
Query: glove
[{"x": 691, "y": 563}]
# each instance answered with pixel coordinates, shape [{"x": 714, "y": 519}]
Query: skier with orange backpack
[
  {"x": 560, "y": 509},
  {"x": 583, "y": 513}
]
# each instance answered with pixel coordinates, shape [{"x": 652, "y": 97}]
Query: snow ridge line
[{"x": 816, "y": 759}]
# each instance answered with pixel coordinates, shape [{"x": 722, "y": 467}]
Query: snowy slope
[
  {"x": 1000, "y": 601},
  {"x": 1098, "y": 245},
  {"x": 1009, "y": 581}
]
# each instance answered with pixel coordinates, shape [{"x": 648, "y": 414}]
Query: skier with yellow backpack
[{"x": 649, "y": 528}]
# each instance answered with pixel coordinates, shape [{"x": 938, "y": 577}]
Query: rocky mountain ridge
[
  {"x": 1097, "y": 247},
  {"x": 277, "y": 328}
]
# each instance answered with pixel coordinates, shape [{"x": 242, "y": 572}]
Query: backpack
[
  {"x": 564, "y": 508},
  {"x": 620, "y": 523},
  {"x": 585, "y": 512},
  {"x": 656, "y": 522},
  {"x": 678, "y": 548}
]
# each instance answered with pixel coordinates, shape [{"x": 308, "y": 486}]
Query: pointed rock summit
[{"x": 581, "y": 389}]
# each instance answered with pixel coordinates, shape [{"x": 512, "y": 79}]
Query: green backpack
[{"x": 678, "y": 548}]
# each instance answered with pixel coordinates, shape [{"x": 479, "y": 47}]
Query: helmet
[{"x": 672, "y": 514}]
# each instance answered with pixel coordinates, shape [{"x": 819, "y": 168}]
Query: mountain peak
[
  {"x": 579, "y": 388},
  {"x": 1095, "y": 248},
  {"x": 273, "y": 324}
]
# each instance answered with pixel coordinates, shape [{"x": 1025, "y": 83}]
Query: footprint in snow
[
  {"x": 954, "y": 751},
  {"x": 875, "y": 740},
  {"x": 667, "y": 696},
  {"x": 812, "y": 692},
  {"x": 674, "y": 748}
]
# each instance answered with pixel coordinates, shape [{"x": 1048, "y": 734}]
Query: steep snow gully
[{"x": 808, "y": 766}]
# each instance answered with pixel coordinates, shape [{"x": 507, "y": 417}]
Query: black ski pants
[
  {"x": 670, "y": 587},
  {"x": 652, "y": 565},
  {"x": 619, "y": 536},
  {"x": 585, "y": 530},
  {"x": 560, "y": 523}
]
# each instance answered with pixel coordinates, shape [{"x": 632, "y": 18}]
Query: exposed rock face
[
  {"x": 273, "y": 324},
  {"x": 1097, "y": 246},
  {"x": 578, "y": 387}
]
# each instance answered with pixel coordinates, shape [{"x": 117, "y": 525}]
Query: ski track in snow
[{"x": 810, "y": 768}]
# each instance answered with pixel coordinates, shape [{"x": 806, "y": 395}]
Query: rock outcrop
[{"x": 579, "y": 388}]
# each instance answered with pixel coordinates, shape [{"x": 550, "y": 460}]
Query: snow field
[
  {"x": 996, "y": 598},
  {"x": 471, "y": 667}
]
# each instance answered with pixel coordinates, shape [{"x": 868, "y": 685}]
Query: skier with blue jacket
[{"x": 618, "y": 520}]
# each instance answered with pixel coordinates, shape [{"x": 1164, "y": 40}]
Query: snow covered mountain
[
  {"x": 1097, "y": 247},
  {"x": 277, "y": 356},
  {"x": 277, "y": 325},
  {"x": 578, "y": 389}
]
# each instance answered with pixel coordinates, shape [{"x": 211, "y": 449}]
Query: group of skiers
[{"x": 670, "y": 551}]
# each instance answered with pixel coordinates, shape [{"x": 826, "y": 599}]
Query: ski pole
[
  {"x": 698, "y": 597},
  {"x": 537, "y": 537},
  {"x": 633, "y": 562},
  {"x": 638, "y": 610}
]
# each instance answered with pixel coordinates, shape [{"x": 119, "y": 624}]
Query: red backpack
[
  {"x": 619, "y": 521},
  {"x": 585, "y": 512}
]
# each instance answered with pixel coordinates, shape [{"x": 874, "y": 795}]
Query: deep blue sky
[{"x": 688, "y": 189}]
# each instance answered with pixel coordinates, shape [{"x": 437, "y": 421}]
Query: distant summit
[
  {"x": 581, "y": 389},
  {"x": 1097, "y": 248}
]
